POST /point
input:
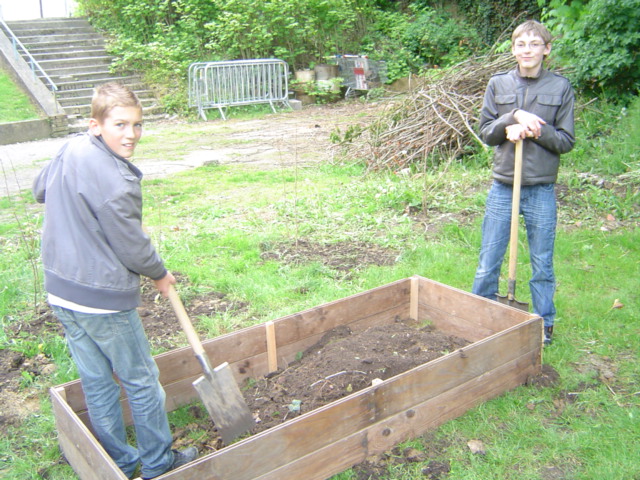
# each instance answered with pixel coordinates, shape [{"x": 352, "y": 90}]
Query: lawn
[{"x": 14, "y": 103}]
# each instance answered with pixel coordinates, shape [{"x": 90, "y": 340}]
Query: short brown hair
[
  {"x": 110, "y": 95},
  {"x": 532, "y": 26}
]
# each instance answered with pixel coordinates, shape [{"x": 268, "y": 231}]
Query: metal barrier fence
[{"x": 239, "y": 82}]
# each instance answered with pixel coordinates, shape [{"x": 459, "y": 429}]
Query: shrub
[
  {"x": 436, "y": 38},
  {"x": 495, "y": 18},
  {"x": 600, "y": 40}
]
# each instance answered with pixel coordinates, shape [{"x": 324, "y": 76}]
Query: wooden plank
[
  {"x": 81, "y": 449},
  {"x": 296, "y": 327},
  {"x": 315, "y": 430},
  {"x": 272, "y": 347},
  {"x": 470, "y": 331},
  {"x": 403, "y": 426},
  {"x": 182, "y": 393},
  {"x": 464, "y": 314},
  {"x": 507, "y": 349},
  {"x": 415, "y": 292}
]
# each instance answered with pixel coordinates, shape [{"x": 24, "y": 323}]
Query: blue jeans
[
  {"x": 102, "y": 344},
  {"x": 538, "y": 206}
]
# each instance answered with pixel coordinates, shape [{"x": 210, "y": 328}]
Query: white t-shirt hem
[{"x": 61, "y": 302}]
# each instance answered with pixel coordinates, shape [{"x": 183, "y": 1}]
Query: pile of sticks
[{"x": 440, "y": 117}]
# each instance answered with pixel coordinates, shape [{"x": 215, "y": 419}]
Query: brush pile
[{"x": 437, "y": 118}]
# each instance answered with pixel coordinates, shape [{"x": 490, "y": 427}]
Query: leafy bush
[
  {"x": 495, "y": 18},
  {"x": 384, "y": 41},
  {"x": 423, "y": 38},
  {"x": 301, "y": 32},
  {"x": 600, "y": 40},
  {"x": 436, "y": 38},
  {"x": 162, "y": 37}
]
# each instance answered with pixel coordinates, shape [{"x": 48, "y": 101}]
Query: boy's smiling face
[
  {"x": 121, "y": 129},
  {"x": 530, "y": 50}
]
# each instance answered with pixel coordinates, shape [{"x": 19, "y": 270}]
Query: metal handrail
[{"x": 32, "y": 61}]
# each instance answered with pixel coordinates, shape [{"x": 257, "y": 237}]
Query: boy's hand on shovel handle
[{"x": 163, "y": 284}]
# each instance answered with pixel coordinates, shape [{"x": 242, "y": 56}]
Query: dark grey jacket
[
  {"x": 93, "y": 246},
  {"x": 549, "y": 96}
]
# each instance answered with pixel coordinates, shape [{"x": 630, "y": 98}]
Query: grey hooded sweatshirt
[
  {"x": 93, "y": 246},
  {"x": 549, "y": 96}
]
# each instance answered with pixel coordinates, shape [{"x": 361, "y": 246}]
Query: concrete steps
[{"x": 73, "y": 55}]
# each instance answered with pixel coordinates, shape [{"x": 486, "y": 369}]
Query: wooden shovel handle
[
  {"x": 515, "y": 216},
  {"x": 185, "y": 323}
]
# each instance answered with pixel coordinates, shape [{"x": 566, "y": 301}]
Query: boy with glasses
[{"x": 531, "y": 104}]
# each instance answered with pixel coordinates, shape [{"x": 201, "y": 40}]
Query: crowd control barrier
[{"x": 239, "y": 82}]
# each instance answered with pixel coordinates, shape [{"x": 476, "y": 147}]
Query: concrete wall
[
  {"x": 24, "y": 131},
  {"x": 29, "y": 130}
]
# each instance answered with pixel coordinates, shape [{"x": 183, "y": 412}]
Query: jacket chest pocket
[
  {"x": 505, "y": 103},
  {"x": 547, "y": 106}
]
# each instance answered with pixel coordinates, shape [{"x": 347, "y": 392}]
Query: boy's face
[
  {"x": 121, "y": 129},
  {"x": 530, "y": 50}
]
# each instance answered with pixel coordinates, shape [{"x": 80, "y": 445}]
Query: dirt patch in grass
[{"x": 341, "y": 256}]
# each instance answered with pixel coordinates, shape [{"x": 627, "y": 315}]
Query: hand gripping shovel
[
  {"x": 513, "y": 241},
  {"x": 218, "y": 389}
]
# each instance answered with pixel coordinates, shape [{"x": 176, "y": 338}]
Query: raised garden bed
[{"x": 504, "y": 350}]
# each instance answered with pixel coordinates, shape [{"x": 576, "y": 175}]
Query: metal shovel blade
[
  {"x": 510, "y": 298},
  {"x": 512, "y": 302},
  {"x": 223, "y": 400}
]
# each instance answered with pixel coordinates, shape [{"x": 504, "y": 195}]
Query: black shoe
[
  {"x": 180, "y": 458},
  {"x": 548, "y": 334},
  {"x": 183, "y": 457}
]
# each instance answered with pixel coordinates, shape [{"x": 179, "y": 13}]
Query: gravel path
[{"x": 280, "y": 139}]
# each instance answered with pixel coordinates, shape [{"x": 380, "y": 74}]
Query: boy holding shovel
[
  {"x": 94, "y": 251},
  {"x": 535, "y": 106}
]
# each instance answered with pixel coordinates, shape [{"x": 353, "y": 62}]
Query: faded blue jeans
[
  {"x": 102, "y": 344},
  {"x": 538, "y": 206}
]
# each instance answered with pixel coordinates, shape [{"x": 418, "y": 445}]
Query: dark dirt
[{"x": 343, "y": 363}]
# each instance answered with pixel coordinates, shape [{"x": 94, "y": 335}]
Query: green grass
[
  {"x": 15, "y": 105},
  {"x": 213, "y": 223}
]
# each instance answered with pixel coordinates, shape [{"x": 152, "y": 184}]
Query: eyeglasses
[{"x": 530, "y": 46}]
